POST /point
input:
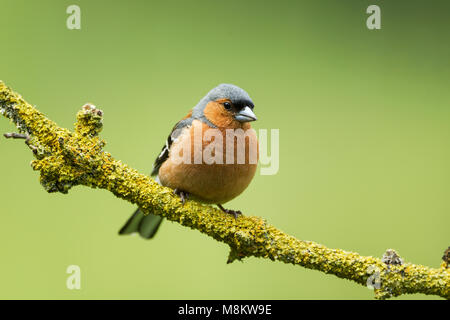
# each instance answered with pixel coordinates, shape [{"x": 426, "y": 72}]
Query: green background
[{"x": 364, "y": 138}]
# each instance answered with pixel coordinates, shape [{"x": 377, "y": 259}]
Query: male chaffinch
[{"x": 226, "y": 107}]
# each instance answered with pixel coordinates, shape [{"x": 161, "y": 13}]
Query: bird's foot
[
  {"x": 235, "y": 213},
  {"x": 182, "y": 194}
]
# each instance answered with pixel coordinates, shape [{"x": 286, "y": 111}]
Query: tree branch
[{"x": 66, "y": 159}]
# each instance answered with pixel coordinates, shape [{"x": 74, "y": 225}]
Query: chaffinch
[{"x": 197, "y": 163}]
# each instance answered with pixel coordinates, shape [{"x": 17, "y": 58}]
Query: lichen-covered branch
[{"x": 66, "y": 159}]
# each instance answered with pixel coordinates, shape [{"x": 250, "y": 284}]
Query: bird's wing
[{"x": 164, "y": 154}]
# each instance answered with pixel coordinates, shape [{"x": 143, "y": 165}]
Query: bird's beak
[{"x": 245, "y": 115}]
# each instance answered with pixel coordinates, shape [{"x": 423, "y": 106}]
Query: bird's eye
[{"x": 227, "y": 105}]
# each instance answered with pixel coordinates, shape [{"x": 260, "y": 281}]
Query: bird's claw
[
  {"x": 182, "y": 194},
  {"x": 235, "y": 213}
]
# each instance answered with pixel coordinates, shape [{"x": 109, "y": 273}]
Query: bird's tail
[{"x": 145, "y": 225}]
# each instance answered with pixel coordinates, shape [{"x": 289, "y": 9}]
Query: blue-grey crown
[
  {"x": 222, "y": 91},
  {"x": 228, "y": 91}
]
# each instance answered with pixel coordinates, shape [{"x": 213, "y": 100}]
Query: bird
[{"x": 224, "y": 109}]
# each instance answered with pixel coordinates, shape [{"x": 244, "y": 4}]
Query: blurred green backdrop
[{"x": 364, "y": 138}]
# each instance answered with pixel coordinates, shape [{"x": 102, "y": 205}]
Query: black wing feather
[{"x": 164, "y": 154}]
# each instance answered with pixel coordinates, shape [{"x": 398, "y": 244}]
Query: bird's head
[{"x": 226, "y": 106}]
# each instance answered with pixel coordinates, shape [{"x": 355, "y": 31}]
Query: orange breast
[{"x": 208, "y": 179}]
